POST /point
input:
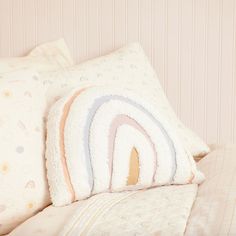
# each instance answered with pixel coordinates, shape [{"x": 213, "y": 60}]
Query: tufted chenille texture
[
  {"x": 103, "y": 139},
  {"x": 127, "y": 67}
]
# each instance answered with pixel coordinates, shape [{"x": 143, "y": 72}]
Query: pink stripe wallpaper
[{"x": 191, "y": 44}]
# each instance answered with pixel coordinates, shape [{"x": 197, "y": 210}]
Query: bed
[
  {"x": 208, "y": 209},
  {"x": 185, "y": 210}
]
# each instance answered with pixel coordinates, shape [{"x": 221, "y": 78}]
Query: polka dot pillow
[
  {"x": 23, "y": 186},
  {"x": 130, "y": 68}
]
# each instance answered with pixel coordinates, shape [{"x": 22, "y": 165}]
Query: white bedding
[
  {"x": 130, "y": 213},
  {"x": 158, "y": 211}
]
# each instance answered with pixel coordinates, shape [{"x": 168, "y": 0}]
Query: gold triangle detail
[{"x": 133, "y": 167}]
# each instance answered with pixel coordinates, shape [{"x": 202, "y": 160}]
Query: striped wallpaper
[{"x": 191, "y": 44}]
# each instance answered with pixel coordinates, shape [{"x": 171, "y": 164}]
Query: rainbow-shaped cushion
[{"x": 104, "y": 139}]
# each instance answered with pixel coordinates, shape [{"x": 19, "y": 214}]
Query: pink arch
[{"x": 118, "y": 121}]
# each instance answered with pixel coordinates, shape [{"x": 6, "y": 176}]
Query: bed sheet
[{"x": 208, "y": 210}]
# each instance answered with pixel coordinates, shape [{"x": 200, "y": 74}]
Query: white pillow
[
  {"x": 130, "y": 68},
  {"x": 103, "y": 139},
  {"x": 23, "y": 184},
  {"x": 46, "y": 57}
]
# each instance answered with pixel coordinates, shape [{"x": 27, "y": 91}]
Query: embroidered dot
[
  {"x": 19, "y": 149},
  {"x": 4, "y": 168},
  {"x": 30, "y": 184},
  {"x": 7, "y": 94},
  {"x": 30, "y": 205}
]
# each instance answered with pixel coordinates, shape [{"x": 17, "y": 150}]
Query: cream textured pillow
[
  {"x": 46, "y": 57},
  {"x": 130, "y": 68},
  {"x": 23, "y": 184},
  {"x": 108, "y": 139}
]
